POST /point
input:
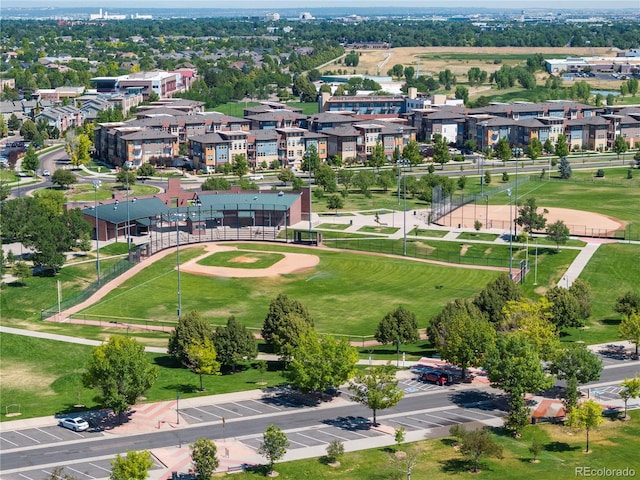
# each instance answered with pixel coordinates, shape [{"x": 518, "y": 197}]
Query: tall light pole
[
  {"x": 404, "y": 242},
  {"x": 128, "y": 218},
  {"x": 535, "y": 276},
  {"x": 96, "y": 186},
  {"x": 178, "y": 262},
  {"x": 510, "y": 235},
  {"x": 310, "y": 222}
]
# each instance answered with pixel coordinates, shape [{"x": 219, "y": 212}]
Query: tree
[
  {"x": 531, "y": 320},
  {"x": 286, "y": 175},
  {"x": 398, "y": 326},
  {"x": 462, "y": 182},
  {"x": 321, "y": 362},
  {"x": 478, "y": 443},
  {"x": 514, "y": 366},
  {"x": 63, "y": 178},
  {"x": 629, "y": 329},
  {"x": 146, "y": 170},
  {"x": 462, "y": 93},
  {"x": 135, "y": 466},
  {"x": 630, "y": 389},
  {"x": 284, "y": 324},
  {"x": 466, "y": 340},
  {"x": 21, "y": 271},
  {"x": 234, "y": 343},
  {"x": 487, "y": 177},
  {"x": 13, "y": 123},
  {"x": 304, "y": 89},
  {"x": 581, "y": 290},
  {"x": 345, "y": 177},
  {"x": 335, "y": 202},
  {"x": 503, "y": 149},
  {"x": 620, "y": 145},
  {"x": 548, "y": 146},
  {"x": 628, "y": 303},
  {"x": 325, "y": 177},
  {"x": 204, "y": 458},
  {"x": 377, "y": 389},
  {"x": 58, "y": 473},
  {"x": 565, "y": 308},
  {"x": 310, "y": 159},
  {"x": 335, "y": 451},
  {"x": 411, "y": 152},
  {"x": 77, "y": 147},
  {"x": 495, "y": 295},
  {"x": 274, "y": 445},
  {"x": 562, "y": 148},
  {"x": 378, "y": 158},
  {"x": 31, "y": 162},
  {"x": 529, "y": 218},
  {"x": 534, "y": 149},
  {"x": 240, "y": 166},
  {"x": 558, "y": 232},
  {"x": 120, "y": 370},
  {"x": 201, "y": 358},
  {"x": 575, "y": 362},
  {"x": 126, "y": 177},
  {"x": 364, "y": 180},
  {"x": 441, "y": 152},
  {"x": 29, "y": 130},
  {"x": 191, "y": 328},
  {"x": 586, "y": 416},
  {"x": 536, "y": 448},
  {"x": 216, "y": 183}
]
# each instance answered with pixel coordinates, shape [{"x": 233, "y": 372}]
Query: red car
[{"x": 440, "y": 378}]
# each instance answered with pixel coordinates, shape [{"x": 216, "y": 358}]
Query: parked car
[
  {"x": 77, "y": 424},
  {"x": 46, "y": 173},
  {"x": 256, "y": 177},
  {"x": 435, "y": 376}
]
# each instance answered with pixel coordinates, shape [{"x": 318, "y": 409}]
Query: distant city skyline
[{"x": 313, "y": 4}]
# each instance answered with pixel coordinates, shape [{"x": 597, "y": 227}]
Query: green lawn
[
  {"x": 41, "y": 369},
  {"x": 614, "y": 446},
  {"x": 86, "y": 193},
  {"x": 355, "y": 288},
  {"x": 488, "y": 237},
  {"x": 241, "y": 259},
  {"x": 333, "y": 226},
  {"x": 378, "y": 229}
]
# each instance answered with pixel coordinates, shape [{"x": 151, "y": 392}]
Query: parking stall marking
[
  {"x": 26, "y": 436},
  {"x": 459, "y": 415},
  {"x": 196, "y": 419},
  {"x": 266, "y": 405},
  {"x": 407, "y": 424},
  {"x": 24, "y": 476},
  {"x": 301, "y": 444},
  {"x": 6, "y": 440},
  {"x": 312, "y": 438},
  {"x": 205, "y": 412},
  {"x": 99, "y": 467},
  {"x": 248, "y": 408},
  {"x": 448, "y": 420},
  {"x": 230, "y": 411},
  {"x": 50, "y": 434},
  {"x": 78, "y": 471},
  {"x": 332, "y": 434}
]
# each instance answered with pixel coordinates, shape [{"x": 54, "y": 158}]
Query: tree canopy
[
  {"x": 274, "y": 445},
  {"x": 377, "y": 389},
  {"x": 135, "y": 466},
  {"x": 191, "y": 328},
  {"x": 204, "y": 457},
  {"x": 285, "y": 323},
  {"x": 234, "y": 343},
  {"x": 398, "y": 326},
  {"x": 529, "y": 218},
  {"x": 120, "y": 370}
]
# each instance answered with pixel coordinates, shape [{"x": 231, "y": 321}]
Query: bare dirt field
[
  {"x": 579, "y": 222},
  {"x": 292, "y": 262},
  {"x": 378, "y": 62}
]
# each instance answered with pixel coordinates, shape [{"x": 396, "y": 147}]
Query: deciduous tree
[
  {"x": 234, "y": 343},
  {"x": 441, "y": 152},
  {"x": 204, "y": 457},
  {"x": 191, "y": 328},
  {"x": 565, "y": 308},
  {"x": 529, "y": 218},
  {"x": 629, "y": 329},
  {"x": 377, "y": 389},
  {"x": 286, "y": 175},
  {"x": 240, "y": 166},
  {"x": 577, "y": 363},
  {"x": 495, "y": 295},
  {"x": 478, "y": 443},
  {"x": 630, "y": 389},
  {"x": 63, "y": 178},
  {"x": 335, "y": 202},
  {"x": 30, "y": 161},
  {"x": 274, "y": 445},
  {"x": 398, "y": 326},
  {"x": 586, "y": 416},
  {"x": 201, "y": 358},
  {"x": 628, "y": 303},
  {"x": 558, "y": 232},
  {"x": 503, "y": 149},
  {"x": 321, "y": 362},
  {"x": 120, "y": 370},
  {"x": 216, "y": 183},
  {"x": 285, "y": 322},
  {"x": 135, "y": 466}
]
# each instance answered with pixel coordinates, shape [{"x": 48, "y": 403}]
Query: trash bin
[{"x": 350, "y": 222}]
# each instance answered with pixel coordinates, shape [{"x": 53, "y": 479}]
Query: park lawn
[
  {"x": 8, "y": 176},
  {"x": 333, "y": 226},
  {"x": 241, "y": 259},
  {"x": 40, "y": 369},
  {"x": 614, "y": 446},
  {"x": 378, "y": 229},
  {"x": 424, "y": 232},
  {"x": 487, "y": 237},
  {"x": 376, "y": 202},
  {"x": 346, "y": 293},
  {"x": 85, "y": 192}
]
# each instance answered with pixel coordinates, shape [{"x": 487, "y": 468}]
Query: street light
[
  {"x": 96, "y": 186},
  {"x": 401, "y": 164},
  {"x": 178, "y": 262},
  {"x": 535, "y": 276},
  {"x": 510, "y": 235},
  {"x": 128, "y": 218}
]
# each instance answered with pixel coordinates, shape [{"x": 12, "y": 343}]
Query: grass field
[
  {"x": 614, "y": 446},
  {"x": 354, "y": 288},
  {"x": 43, "y": 381},
  {"x": 241, "y": 259}
]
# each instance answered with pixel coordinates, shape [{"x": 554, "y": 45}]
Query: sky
[{"x": 310, "y": 4}]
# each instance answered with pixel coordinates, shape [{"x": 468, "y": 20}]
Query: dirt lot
[{"x": 376, "y": 62}]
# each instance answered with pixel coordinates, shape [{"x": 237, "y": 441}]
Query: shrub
[
  {"x": 335, "y": 450},
  {"x": 600, "y": 173}
]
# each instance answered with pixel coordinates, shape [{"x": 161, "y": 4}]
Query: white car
[
  {"x": 46, "y": 173},
  {"x": 256, "y": 177},
  {"x": 77, "y": 424}
]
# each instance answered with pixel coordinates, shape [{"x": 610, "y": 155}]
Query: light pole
[
  {"x": 404, "y": 216},
  {"x": 535, "y": 276},
  {"x": 178, "y": 262},
  {"x": 178, "y": 409},
  {"x": 96, "y": 186},
  {"x": 510, "y": 235},
  {"x": 128, "y": 219}
]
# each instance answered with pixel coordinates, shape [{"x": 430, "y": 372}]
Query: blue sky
[{"x": 308, "y": 4}]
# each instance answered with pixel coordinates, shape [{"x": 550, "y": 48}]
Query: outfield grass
[
  {"x": 378, "y": 229},
  {"x": 614, "y": 446},
  {"x": 346, "y": 293},
  {"x": 487, "y": 237},
  {"x": 40, "y": 369},
  {"x": 241, "y": 259}
]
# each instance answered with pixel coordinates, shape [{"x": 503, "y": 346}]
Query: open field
[
  {"x": 432, "y": 60},
  {"x": 346, "y": 293},
  {"x": 614, "y": 446}
]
